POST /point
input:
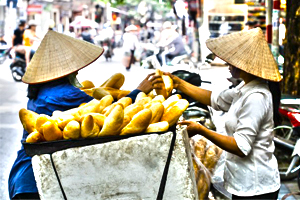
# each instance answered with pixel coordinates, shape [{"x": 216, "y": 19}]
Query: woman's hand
[
  {"x": 176, "y": 80},
  {"x": 150, "y": 83},
  {"x": 193, "y": 128}
]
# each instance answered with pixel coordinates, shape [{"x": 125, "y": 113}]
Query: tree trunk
[{"x": 291, "y": 69}]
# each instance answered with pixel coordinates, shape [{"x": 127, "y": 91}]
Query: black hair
[
  {"x": 33, "y": 89},
  {"x": 276, "y": 96}
]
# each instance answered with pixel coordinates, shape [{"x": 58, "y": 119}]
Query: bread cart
[{"x": 143, "y": 166}]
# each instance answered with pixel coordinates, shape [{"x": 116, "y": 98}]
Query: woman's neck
[{"x": 247, "y": 77}]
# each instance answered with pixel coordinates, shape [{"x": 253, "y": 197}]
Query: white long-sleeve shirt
[{"x": 250, "y": 122}]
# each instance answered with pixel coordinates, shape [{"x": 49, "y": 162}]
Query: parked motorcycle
[
  {"x": 151, "y": 62},
  {"x": 4, "y": 51},
  {"x": 287, "y": 140},
  {"x": 18, "y": 67}
]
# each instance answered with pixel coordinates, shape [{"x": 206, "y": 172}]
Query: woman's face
[{"x": 235, "y": 72}]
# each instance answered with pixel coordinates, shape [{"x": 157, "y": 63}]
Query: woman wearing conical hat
[
  {"x": 251, "y": 169},
  {"x": 52, "y": 85}
]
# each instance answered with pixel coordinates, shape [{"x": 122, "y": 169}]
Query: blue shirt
[{"x": 55, "y": 95}]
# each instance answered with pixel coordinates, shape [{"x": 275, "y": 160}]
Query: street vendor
[
  {"x": 251, "y": 169},
  {"x": 52, "y": 85}
]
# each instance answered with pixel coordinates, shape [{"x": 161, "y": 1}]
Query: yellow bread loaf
[
  {"x": 143, "y": 101},
  {"x": 106, "y": 111},
  {"x": 116, "y": 93},
  {"x": 63, "y": 120},
  {"x": 89, "y": 128},
  {"x": 87, "y": 84},
  {"x": 40, "y": 121},
  {"x": 168, "y": 84},
  {"x": 28, "y": 119},
  {"x": 132, "y": 109},
  {"x": 51, "y": 131},
  {"x": 113, "y": 121},
  {"x": 140, "y": 95},
  {"x": 126, "y": 121},
  {"x": 98, "y": 118},
  {"x": 35, "y": 136},
  {"x": 125, "y": 101},
  {"x": 173, "y": 113},
  {"x": 115, "y": 81},
  {"x": 104, "y": 102},
  {"x": 160, "y": 98},
  {"x": 157, "y": 111},
  {"x": 90, "y": 107},
  {"x": 162, "y": 90},
  {"x": 157, "y": 127},
  {"x": 138, "y": 123},
  {"x": 72, "y": 130},
  {"x": 99, "y": 93},
  {"x": 171, "y": 99}
]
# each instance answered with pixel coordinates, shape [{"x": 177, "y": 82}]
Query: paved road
[{"x": 13, "y": 98}]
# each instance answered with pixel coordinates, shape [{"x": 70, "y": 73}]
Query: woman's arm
[
  {"x": 226, "y": 143},
  {"x": 199, "y": 94}
]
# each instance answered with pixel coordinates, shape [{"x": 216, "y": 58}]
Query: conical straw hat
[
  {"x": 248, "y": 51},
  {"x": 59, "y": 55}
]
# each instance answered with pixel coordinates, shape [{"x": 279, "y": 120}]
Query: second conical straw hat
[
  {"x": 59, "y": 55},
  {"x": 248, "y": 51}
]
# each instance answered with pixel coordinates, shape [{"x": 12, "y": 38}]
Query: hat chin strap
[{"x": 74, "y": 81}]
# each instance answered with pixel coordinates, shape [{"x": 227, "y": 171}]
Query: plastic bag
[{"x": 206, "y": 156}]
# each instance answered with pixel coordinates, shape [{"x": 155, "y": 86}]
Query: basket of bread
[{"x": 110, "y": 116}]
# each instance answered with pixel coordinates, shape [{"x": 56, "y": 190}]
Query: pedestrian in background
[
  {"x": 17, "y": 38},
  {"x": 29, "y": 40},
  {"x": 130, "y": 44}
]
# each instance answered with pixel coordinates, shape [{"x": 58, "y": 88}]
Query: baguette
[
  {"x": 35, "y": 136},
  {"x": 162, "y": 90},
  {"x": 28, "y": 119},
  {"x": 157, "y": 111},
  {"x": 115, "y": 81},
  {"x": 87, "y": 84},
  {"x": 89, "y": 128},
  {"x": 113, "y": 121},
  {"x": 139, "y": 122},
  {"x": 51, "y": 131},
  {"x": 132, "y": 109},
  {"x": 173, "y": 113},
  {"x": 71, "y": 130},
  {"x": 157, "y": 127}
]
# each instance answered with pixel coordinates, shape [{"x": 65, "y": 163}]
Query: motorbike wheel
[
  {"x": 283, "y": 156},
  {"x": 15, "y": 74}
]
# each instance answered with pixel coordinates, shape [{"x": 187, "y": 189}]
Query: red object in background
[
  {"x": 114, "y": 16},
  {"x": 34, "y": 9},
  {"x": 292, "y": 114},
  {"x": 294, "y": 118}
]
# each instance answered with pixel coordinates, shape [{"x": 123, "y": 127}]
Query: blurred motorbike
[
  {"x": 287, "y": 139},
  {"x": 4, "y": 52},
  {"x": 150, "y": 58},
  {"x": 18, "y": 67}
]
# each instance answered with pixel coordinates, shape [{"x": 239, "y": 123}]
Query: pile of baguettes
[{"x": 106, "y": 115}]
